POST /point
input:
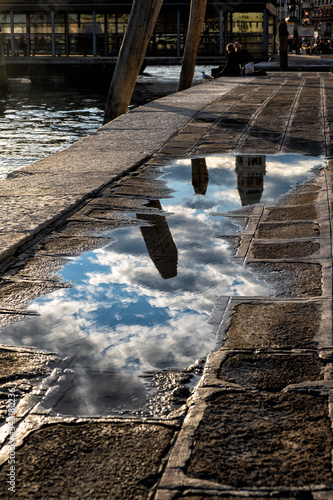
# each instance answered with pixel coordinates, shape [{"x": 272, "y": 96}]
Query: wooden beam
[
  {"x": 140, "y": 26},
  {"x": 197, "y": 16}
]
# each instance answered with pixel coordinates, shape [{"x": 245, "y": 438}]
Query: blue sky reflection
[{"x": 122, "y": 318}]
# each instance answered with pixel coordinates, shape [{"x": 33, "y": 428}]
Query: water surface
[
  {"x": 38, "y": 120},
  {"x": 144, "y": 301}
]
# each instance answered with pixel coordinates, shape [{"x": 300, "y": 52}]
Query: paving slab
[
  {"x": 254, "y": 440},
  {"x": 90, "y": 460}
]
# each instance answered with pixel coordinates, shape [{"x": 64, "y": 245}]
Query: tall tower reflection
[
  {"x": 160, "y": 245},
  {"x": 199, "y": 175},
  {"x": 250, "y": 170}
]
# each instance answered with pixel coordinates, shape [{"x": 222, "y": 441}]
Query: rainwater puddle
[{"x": 143, "y": 302}]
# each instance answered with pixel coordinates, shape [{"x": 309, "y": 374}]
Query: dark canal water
[{"x": 36, "y": 121}]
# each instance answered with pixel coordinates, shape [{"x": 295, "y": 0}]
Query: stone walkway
[{"x": 259, "y": 424}]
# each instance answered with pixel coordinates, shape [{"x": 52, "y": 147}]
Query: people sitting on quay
[{"x": 239, "y": 62}]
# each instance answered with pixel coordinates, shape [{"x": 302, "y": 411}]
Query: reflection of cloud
[
  {"x": 104, "y": 346},
  {"x": 122, "y": 318}
]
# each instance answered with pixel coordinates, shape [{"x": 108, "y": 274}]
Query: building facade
[
  {"x": 315, "y": 17},
  {"x": 96, "y": 27},
  {"x": 319, "y": 14}
]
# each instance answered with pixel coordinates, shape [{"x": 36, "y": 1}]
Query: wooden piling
[
  {"x": 283, "y": 45},
  {"x": 197, "y": 16},
  {"x": 140, "y": 26},
  {"x": 3, "y": 72}
]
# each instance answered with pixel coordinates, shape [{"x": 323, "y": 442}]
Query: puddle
[{"x": 143, "y": 302}]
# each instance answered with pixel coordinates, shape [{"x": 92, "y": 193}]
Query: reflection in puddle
[
  {"x": 250, "y": 171},
  {"x": 143, "y": 303}
]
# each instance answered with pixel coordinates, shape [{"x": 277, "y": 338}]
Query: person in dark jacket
[
  {"x": 231, "y": 67},
  {"x": 244, "y": 55}
]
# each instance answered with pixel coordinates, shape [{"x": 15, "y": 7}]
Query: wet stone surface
[
  {"x": 94, "y": 460},
  {"x": 15, "y": 364},
  {"x": 307, "y": 187},
  {"x": 91, "y": 228},
  {"x": 284, "y": 250},
  {"x": 226, "y": 496},
  {"x": 43, "y": 266},
  {"x": 292, "y": 279},
  {"x": 10, "y": 317},
  {"x": 304, "y": 212},
  {"x": 275, "y": 325},
  {"x": 16, "y": 294},
  {"x": 21, "y": 370},
  {"x": 168, "y": 390},
  {"x": 263, "y": 440},
  {"x": 270, "y": 372},
  {"x": 223, "y": 496},
  {"x": 288, "y": 231},
  {"x": 301, "y": 199},
  {"x": 73, "y": 245}
]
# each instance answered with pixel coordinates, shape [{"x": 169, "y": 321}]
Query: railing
[{"x": 107, "y": 45}]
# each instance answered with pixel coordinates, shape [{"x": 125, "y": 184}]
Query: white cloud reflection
[{"x": 122, "y": 318}]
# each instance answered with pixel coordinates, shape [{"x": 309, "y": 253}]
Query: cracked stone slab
[
  {"x": 251, "y": 444},
  {"x": 288, "y": 250},
  {"x": 12, "y": 316},
  {"x": 121, "y": 459},
  {"x": 289, "y": 230},
  {"x": 291, "y": 213},
  {"x": 86, "y": 227},
  {"x": 263, "y": 369},
  {"x": 15, "y": 294},
  {"x": 43, "y": 266},
  {"x": 295, "y": 279},
  {"x": 272, "y": 440},
  {"x": 275, "y": 323},
  {"x": 12, "y": 240},
  {"x": 17, "y": 214},
  {"x": 21, "y": 370},
  {"x": 301, "y": 199},
  {"x": 73, "y": 245}
]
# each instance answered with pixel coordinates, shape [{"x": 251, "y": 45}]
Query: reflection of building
[
  {"x": 160, "y": 245},
  {"x": 199, "y": 175},
  {"x": 250, "y": 170}
]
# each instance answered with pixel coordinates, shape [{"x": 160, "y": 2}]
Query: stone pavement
[{"x": 259, "y": 424}]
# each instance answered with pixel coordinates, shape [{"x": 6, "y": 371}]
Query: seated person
[
  {"x": 244, "y": 55},
  {"x": 231, "y": 67}
]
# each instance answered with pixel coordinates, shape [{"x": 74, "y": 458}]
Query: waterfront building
[
  {"x": 96, "y": 27},
  {"x": 320, "y": 16},
  {"x": 313, "y": 18}
]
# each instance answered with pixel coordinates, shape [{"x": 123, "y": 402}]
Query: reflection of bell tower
[
  {"x": 160, "y": 245},
  {"x": 250, "y": 170},
  {"x": 199, "y": 175}
]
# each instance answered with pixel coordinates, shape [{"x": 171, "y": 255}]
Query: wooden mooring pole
[
  {"x": 197, "y": 16},
  {"x": 283, "y": 45},
  {"x": 140, "y": 26},
  {"x": 3, "y": 72}
]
